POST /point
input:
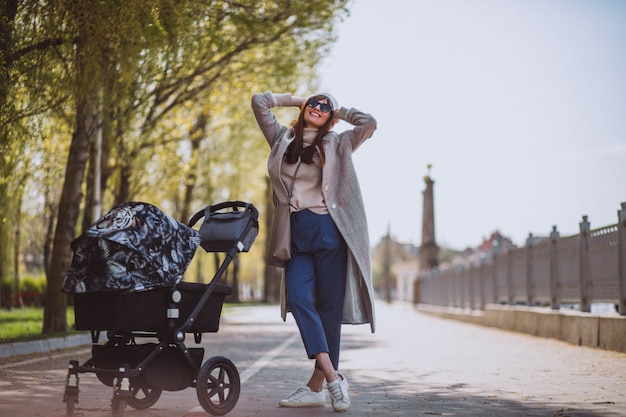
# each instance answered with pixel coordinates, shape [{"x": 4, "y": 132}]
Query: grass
[{"x": 20, "y": 324}]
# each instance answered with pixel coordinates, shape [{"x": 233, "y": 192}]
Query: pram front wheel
[
  {"x": 143, "y": 398},
  {"x": 118, "y": 406},
  {"x": 69, "y": 404},
  {"x": 218, "y": 386}
]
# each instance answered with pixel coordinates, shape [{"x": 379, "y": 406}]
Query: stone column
[{"x": 429, "y": 251}]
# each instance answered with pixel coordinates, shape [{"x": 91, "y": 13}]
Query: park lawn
[{"x": 20, "y": 324}]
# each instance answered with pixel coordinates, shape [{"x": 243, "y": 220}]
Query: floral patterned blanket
[{"x": 133, "y": 247}]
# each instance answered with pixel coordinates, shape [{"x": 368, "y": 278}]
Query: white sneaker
[
  {"x": 304, "y": 397},
  {"x": 338, "y": 390}
]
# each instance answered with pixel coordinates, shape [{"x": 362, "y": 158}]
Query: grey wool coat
[{"x": 341, "y": 191}]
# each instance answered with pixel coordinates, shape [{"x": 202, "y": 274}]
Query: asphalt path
[{"x": 414, "y": 365}]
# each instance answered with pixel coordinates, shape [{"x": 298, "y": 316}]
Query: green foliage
[
  {"x": 31, "y": 290},
  {"x": 20, "y": 324},
  {"x": 33, "y": 284},
  {"x": 168, "y": 82}
]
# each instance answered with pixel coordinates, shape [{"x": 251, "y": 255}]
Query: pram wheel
[
  {"x": 143, "y": 398},
  {"x": 70, "y": 398},
  {"x": 121, "y": 392},
  {"x": 69, "y": 405},
  {"x": 118, "y": 405},
  {"x": 218, "y": 386}
]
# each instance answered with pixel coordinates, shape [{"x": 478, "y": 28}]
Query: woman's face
[{"x": 314, "y": 117}]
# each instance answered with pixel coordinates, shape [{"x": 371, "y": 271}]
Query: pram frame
[{"x": 124, "y": 379}]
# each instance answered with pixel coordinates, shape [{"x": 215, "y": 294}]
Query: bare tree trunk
[
  {"x": 50, "y": 210},
  {"x": 93, "y": 197},
  {"x": 56, "y": 302},
  {"x": 123, "y": 193},
  {"x": 89, "y": 193},
  {"x": 108, "y": 136},
  {"x": 17, "y": 295},
  {"x": 197, "y": 135}
]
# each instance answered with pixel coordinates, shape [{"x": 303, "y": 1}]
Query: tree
[
  {"x": 166, "y": 82},
  {"x": 25, "y": 55},
  {"x": 8, "y": 11},
  {"x": 85, "y": 96},
  {"x": 209, "y": 71}
]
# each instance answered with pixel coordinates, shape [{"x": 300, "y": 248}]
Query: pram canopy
[{"x": 133, "y": 247}]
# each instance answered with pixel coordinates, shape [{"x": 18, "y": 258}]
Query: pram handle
[
  {"x": 230, "y": 254},
  {"x": 206, "y": 212}
]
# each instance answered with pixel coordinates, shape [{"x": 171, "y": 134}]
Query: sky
[{"x": 519, "y": 105}]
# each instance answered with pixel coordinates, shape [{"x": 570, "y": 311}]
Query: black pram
[{"x": 126, "y": 279}]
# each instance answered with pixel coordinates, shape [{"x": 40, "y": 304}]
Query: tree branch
[{"x": 39, "y": 46}]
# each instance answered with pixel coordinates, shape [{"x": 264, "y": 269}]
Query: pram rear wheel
[
  {"x": 218, "y": 386},
  {"x": 143, "y": 398}
]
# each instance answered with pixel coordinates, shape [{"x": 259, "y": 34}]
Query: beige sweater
[{"x": 307, "y": 188}]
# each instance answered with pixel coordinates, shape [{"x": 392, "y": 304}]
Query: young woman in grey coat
[{"x": 328, "y": 280}]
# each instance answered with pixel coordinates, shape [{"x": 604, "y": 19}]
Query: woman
[{"x": 327, "y": 282}]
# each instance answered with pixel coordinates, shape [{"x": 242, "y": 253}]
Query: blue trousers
[{"x": 315, "y": 280}]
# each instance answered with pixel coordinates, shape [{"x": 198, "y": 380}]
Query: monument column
[{"x": 429, "y": 251}]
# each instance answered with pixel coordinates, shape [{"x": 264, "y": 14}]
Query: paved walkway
[{"x": 414, "y": 365}]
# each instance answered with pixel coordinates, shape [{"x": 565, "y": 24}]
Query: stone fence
[
  {"x": 580, "y": 270},
  {"x": 548, "y": 288}
]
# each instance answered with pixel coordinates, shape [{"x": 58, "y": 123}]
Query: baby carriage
[{"x": 125, "y": 277}]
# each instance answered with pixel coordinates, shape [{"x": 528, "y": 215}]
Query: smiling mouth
[{"x": 312, "y": 113}]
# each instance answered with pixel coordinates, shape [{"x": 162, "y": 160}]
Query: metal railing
[{"x": 579, "y": 270}]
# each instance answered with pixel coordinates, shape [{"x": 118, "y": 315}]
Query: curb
[
  {"x": 42, "y": 346},
  {"x": 604, "y": 331}
]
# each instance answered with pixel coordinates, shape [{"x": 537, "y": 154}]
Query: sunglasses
[{"x": 324, "y": 107}]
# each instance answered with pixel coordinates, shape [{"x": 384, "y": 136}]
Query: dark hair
[{"x": 296, "y": 148}]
